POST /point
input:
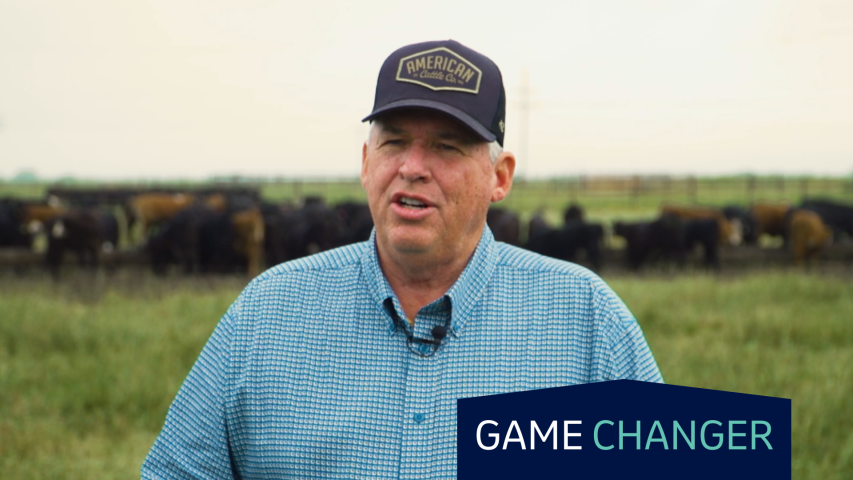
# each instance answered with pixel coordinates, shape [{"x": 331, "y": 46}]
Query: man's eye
[
  {"x": 394, "y": 141},
  {"x": 447, "y": 148}
]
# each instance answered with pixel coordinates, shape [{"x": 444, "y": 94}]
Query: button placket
[{"x": 421, "y": 395}]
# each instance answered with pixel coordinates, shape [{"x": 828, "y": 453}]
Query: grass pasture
[{"x": 89, "y": 366}]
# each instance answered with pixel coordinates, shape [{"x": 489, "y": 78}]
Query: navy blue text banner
[{"x": 624, "y": 429}]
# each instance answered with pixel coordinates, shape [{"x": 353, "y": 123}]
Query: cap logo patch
[{"x": 440, "y": 69}]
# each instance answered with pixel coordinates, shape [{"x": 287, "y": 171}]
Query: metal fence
[
  {"x": 650, "y": 191},
  {"x": 608, "y": 191}
]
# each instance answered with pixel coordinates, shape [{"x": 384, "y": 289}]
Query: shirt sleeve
[
  {"x": 193, "y": 443},
  {"x": 631, "y": 358},
  {"x": 627, "y": 355}
]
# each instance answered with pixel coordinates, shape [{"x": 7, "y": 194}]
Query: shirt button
[
  {"x": 419, "y": 417},
  {"x": 424, "y": 348}
]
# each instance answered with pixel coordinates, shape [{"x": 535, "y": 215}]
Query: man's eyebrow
[{"x": 391, "y": 129}]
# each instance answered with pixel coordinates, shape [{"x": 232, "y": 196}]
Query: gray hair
[{"x": 495, "y": 148}]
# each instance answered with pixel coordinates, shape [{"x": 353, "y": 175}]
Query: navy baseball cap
[{"x": 445, "y": 76}]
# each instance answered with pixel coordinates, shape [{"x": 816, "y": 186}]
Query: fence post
[
  {"x": 635, "y": 189},
  {"x": 750, "y": 188},
  {"x": 297, "y": 191},
  {"x": 692, "y": 188},
  {"x": 570, "y": 184}
]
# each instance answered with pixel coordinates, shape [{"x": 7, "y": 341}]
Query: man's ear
[
  {"x": 504, "y": 171},
  {"x": 364, "y": 162}
]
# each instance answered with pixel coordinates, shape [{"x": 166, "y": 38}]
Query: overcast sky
[{"x": 120, "y": 89}]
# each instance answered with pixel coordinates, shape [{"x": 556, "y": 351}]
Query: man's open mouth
[{"x": 411, "y": 203}]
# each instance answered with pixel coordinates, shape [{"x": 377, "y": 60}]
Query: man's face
[{"x": 429, "y": 183}]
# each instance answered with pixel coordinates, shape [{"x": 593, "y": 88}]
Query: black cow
[
  {"x": 201, "y": 239},
  {"x": 706, "y": 233},
  {"x": 573, "y": 213},
  {"x": 505, "y": 225},
  {"x": 13, "y": 233},
  {"x": 77, "y": 231},
  {"x": 278, "y": 226},
  {"x": 177, "y": 240},
  {"x": 291, "y": 233},
  {"x": 316, "y": 228},
  {"x": 837, "y": 216},
  {"x": 662, "y": 238},
  {"x": 215, "y": 243},
  {"x": 566, "y": 242},
  {"x": 356, "y": 222},
  {"x": 108, "y": 225},
  {"x": 217, "y": 239},
  {"x": 537, "y": 226}
]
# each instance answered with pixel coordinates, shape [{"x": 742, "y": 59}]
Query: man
[{"x": 348, "y": 364}]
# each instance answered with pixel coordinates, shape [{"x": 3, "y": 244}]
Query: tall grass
[
  {"x": 777, "y": 334},
  {"x": 87, "y": 370},
  {"x": 89, "y": 366}
]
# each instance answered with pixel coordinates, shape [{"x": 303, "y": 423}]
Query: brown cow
[
  {"x": 808, "y": 235},
  {"x": 731, "y": 231},
  {"x": 155, "y": 208},
  {"x": 217, "y": 202},
  {"x": 36, "y": 215},
  {"x": 769, "y": 218},
  {"x": 249, "y": 238},
  {"x": 35, "y": 212}
]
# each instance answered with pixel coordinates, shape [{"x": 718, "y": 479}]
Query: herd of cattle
[
  {"x": 214, "y": 233},
  {"x": 219, "y": 233},
  {"x": 805, "y": 230}
]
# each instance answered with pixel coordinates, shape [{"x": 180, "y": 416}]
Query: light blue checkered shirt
[{"x": 308, "y": 376}]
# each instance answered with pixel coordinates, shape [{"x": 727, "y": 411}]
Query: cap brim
[{"x": 454, "y": 112}]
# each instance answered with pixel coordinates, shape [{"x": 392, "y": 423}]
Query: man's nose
[{"x": 415, "y": 164}]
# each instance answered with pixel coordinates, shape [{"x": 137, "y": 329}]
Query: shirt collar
[{"x": 464, "y": 293}]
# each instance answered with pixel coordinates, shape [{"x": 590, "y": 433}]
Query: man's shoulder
[
  {"x": 300, "y": 284},
  {"x": 518, "y": 261},
  {"x": 341, "y": 258},
  {"x": 558, "y": 284}
]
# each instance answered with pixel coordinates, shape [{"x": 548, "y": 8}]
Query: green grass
[
  {"x": 22, "y": 191},
  {"x": 778, "y": 334},
  {"x": 89, "y": 366}
]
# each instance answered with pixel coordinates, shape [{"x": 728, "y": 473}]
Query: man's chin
[
  {"x": 410, "y": 243},
  {"x": 409, "y": 247}
]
